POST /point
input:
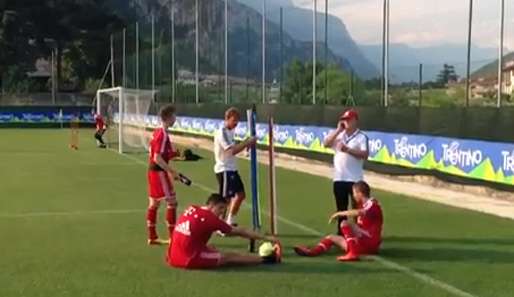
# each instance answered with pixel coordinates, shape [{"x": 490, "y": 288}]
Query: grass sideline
[{"x": 73, "y": 225}]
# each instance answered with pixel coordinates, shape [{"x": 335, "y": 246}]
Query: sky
[{"x": 421, "y": 23}]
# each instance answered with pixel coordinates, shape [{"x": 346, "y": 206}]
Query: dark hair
[
  {"x": 232, "y": 112},
  {"x": 362, "y": 187},
  {"x": 216, "y": 199},
  {"x": 166, "y": 112}
]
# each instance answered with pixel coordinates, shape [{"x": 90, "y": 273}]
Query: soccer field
[{"x": 73, "y": 224}]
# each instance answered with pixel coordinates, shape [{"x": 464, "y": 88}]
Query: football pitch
[{"x": 72, "y": 223}]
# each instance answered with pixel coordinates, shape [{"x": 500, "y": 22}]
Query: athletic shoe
[
  {"x": 350, "y": 256},
  {"x": 302, "y": 251},
  {"x": 158, "y": 241}
]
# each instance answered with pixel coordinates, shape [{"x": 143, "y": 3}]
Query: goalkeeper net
[{"x": 125, "y": 112}]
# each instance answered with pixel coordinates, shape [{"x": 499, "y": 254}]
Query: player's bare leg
[
  {"x": 234, "y": 259},
  {"x": 151, "y": 221},
  {"x": 235, "y": 205}
]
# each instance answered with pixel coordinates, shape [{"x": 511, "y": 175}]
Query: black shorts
[{"x": 230, "y": 183}]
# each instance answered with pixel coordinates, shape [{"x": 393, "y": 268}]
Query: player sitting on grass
[
  {"x": 160, "y": 176},
  {"x": 194, "y": 228},
  {"x": 362, "y": 238},
  {"x": 225, "y": 150},
  {"x": 100, "y": 130}
]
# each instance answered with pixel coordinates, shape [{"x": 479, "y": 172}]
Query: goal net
[{"x": 125, "y": 113}]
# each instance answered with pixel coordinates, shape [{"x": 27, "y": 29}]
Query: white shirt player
[
  {"x": 346, "y": 167},
  {"x": 223, "y": 140}
]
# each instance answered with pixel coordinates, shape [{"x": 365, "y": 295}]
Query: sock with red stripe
[
  {"x": 151, "y": 220},
  {"x": 323, "y": 246},
  {"x": 171, "y": 218}
]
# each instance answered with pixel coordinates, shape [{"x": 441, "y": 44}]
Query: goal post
[{"x": 124, "y": 111}]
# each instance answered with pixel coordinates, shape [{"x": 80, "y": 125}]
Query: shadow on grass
[
  {"x": 448, "y": 254},
  {"x": 310, "y": 266},
  {"x": 464, "y": 241}
]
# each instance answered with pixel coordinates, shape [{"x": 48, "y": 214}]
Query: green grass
[{"x": 56, "y": 243}]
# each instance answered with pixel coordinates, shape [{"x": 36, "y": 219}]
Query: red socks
[
  {"x": 151, "y": 219},
  {"x": 171, "y": 218},
  {"x": 323, "y": 246}
]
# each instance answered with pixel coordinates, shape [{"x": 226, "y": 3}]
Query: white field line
[
  {"x": 387, "y": 263},
  {"x": 69, "y": 213}
]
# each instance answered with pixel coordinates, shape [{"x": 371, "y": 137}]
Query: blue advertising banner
[
  {"x": 489, "y": 161},
  {"x": 44, "y": 117}
]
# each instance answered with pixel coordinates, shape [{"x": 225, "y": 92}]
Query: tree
[{"x": 446, "y": 75}]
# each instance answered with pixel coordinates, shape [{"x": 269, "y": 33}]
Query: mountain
[
  {"x": 244, "y": 45},
  {"x": 491, "y": 69},
  {"x": 298, "y": 24},
  {"x": 405, "y": 60}
]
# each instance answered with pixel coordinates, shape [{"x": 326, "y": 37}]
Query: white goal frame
[{"x": 121, "y": 100}]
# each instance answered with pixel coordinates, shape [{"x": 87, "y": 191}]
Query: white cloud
[{"x": 423, "y": 22}]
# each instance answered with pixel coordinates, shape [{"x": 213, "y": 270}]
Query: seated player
[
  {"x": 194, "y": 228},
  {"x": 363, "y": 238},
  {"x": 160, "y": 177},
  {"x": 100, "y": 130}
]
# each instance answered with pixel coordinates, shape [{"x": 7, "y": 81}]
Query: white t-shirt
[
  {"x": 223, "y": 140},
  {"x": 347, "y": 167}
]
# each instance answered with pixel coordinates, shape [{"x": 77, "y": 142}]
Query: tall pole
[
  {"x": 263, "y": 51},
  {"x": 137, "y": 55},
  {"x": 52, "y": 71},
  {"x": 386, "y": 85},
  {"x": 153, "y": 52},
  {"x": 247, "y": 56},
  {"x": 124, "y": 67},
  {"x": 420, "y": 85},
  {"x": 468, "y": 63},
  {"x": 281, "y": 52},
  {"x": 384, "y": 41},
  {"x": 226, "y": 51},
  {"x": 112, "y": 61},
  {"x": 173, "y": 85},
  {"x": 326, "y": 51},
  {"x": 197, "y": 57},
  {"x": 500, "y": 54},
  {"x": 314, "y": 43}
]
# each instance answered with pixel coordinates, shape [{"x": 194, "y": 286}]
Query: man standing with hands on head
[{"x": 350, "y": 147}]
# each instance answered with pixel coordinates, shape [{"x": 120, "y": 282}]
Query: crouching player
[
  {"x": 160, "y": 177},
  {"x": 363, "y": 238},
  {"x": 194, "y": 228}
]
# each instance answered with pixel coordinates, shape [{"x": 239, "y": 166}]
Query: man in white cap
[{"x": 350, "y": 145}]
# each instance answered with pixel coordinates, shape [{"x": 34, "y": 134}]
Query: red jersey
[
  {"x": 161, "y": 144},
  {"x": 372, "y": 220},
  {"x": 192, "y": 232},
  {"x": 99, "y": 121}
]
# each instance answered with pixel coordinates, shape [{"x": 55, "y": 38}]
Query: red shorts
[
  {"x": 209, "y": 258},
  {"x": 160, "y": 185},
  {"x": 365, "y": 245}
]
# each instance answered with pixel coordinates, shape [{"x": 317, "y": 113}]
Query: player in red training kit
[
  {"x": 189, "y": 249},
  {"x": 100, "y": 130},
  {"x": 363, "y": 238},
  {"x": 160, "y": 176}
]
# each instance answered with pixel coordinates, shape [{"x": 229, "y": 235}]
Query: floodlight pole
[
  {"x": 226, "y": 51},
  {"x": 124, "y": 69},
  {"x": 112, "y": 61},
  {"x": 468, "y": 63},
  {"x": 263, "y": 51},
  {"x": 137, "y": 55},
  {"x": 314, "y": 37},
  {"x": 153, "y": 53},
  {"x": 500, "y": 54},
  {"x": 197, "y": 57},
  {"x": 173, "y": 85}
]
